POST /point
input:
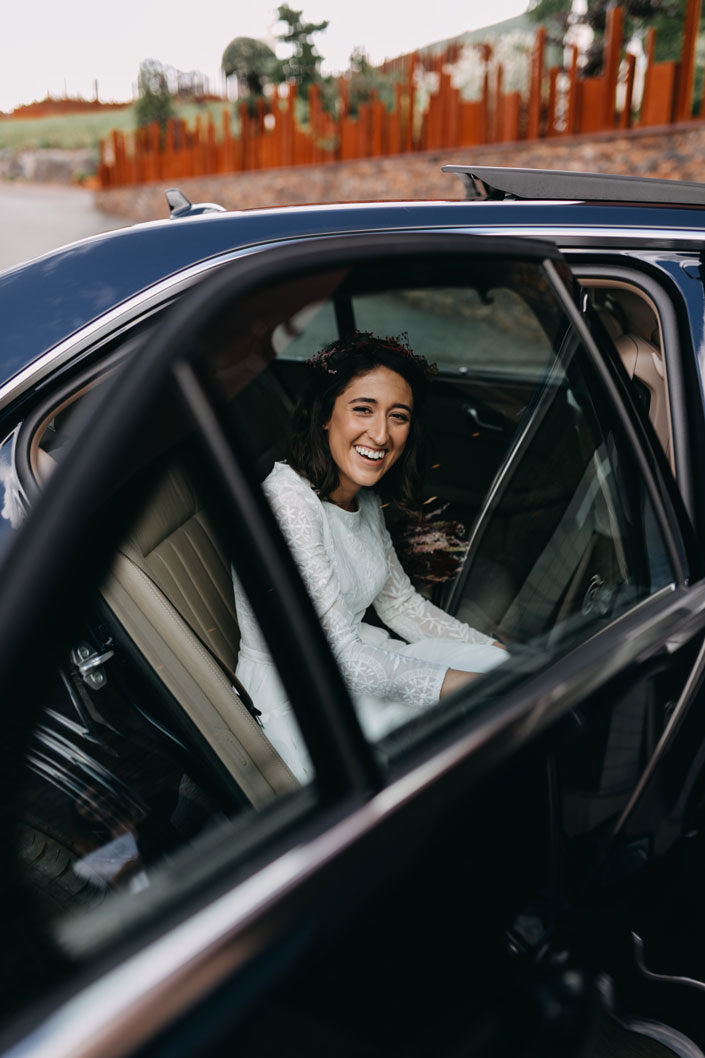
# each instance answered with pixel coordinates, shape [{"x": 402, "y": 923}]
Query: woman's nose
[{"x": 377, "y": 430}]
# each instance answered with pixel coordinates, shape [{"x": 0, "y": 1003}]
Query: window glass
[
  {"x": 505, "y": 335},
  {"x": 149, "y": 767},
  {"x": 534, "y": 529}
]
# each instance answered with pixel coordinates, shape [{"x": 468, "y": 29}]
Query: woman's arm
[
  {"x": 367, "y": 669},
  {"x": 411, "y": 616}
]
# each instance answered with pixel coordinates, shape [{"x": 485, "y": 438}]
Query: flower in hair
[{"x": 342, "y": 349}]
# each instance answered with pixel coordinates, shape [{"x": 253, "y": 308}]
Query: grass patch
[{"x": 83, "y": 131}]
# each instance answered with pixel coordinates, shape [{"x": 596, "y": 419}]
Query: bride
[{"x": 359, "y": 425}]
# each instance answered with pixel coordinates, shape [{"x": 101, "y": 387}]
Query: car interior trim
[
  {"x": 692, "y": 686},
  {"x": 664, "y": 514},
  {"x": 670, "y": 345}
]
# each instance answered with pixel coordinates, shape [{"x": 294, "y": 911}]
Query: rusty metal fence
[{"x": 557, "y": 101}]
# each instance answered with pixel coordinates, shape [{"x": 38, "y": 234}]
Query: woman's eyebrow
[{"x": 373, "y": 400}]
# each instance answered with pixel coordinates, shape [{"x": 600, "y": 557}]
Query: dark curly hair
[{"x": 332, "y": 370}]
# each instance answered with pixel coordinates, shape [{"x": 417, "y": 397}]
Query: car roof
[{"x": 48, "y": 299}]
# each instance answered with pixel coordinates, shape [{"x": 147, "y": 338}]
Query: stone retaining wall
[
  {"x": 47, "y": 165},
  {"x": 674, "y": 152}
]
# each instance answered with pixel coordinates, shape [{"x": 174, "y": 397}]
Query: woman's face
[{"x": 368, "y": 429}]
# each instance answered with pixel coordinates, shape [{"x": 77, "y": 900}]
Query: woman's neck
[{"x": 344, "y": 498}]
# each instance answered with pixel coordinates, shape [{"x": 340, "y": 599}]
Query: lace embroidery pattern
[{"x": 348, "y": 562}]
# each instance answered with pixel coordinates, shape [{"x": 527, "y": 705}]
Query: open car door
[{"x": 464, "y": 880}]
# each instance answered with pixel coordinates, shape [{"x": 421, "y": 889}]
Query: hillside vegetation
[{"x": 83, "y": 131}]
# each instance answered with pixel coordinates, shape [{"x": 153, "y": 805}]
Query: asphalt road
[{"x": 36, "y": 218}]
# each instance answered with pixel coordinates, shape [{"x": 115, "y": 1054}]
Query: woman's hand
[{"x": 455, "y": 679}]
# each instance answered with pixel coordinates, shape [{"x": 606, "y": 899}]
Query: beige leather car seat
[
  {"x": 642, "y": 357},
  {"x": 643, "y": 361},
  {"x": 170, "y": 588}
]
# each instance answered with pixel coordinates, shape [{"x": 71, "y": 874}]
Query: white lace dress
[{"x": 348, "y": 562}]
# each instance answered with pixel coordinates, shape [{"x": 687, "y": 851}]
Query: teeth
[{"x": 371, "y": 453}]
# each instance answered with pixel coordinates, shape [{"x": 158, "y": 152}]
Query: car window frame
[{"x": 643, "y": 275}]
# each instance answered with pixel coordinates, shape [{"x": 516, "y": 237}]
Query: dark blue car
[{"x": 516, "y": 870}]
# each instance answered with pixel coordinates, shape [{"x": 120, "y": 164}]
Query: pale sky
[{"x": 49, "y": 46}]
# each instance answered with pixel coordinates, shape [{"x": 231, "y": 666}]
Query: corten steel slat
[
  {"x": 613, "y": 43},
  {"x": 444, "y": 104},
  {"x": 244, "y": 119},
  {"x": 512, "y": 112},
  {"x": 468, "y": 124},
  {"x": 684, "y": 91},
  {"x": 428, "y": 126},
  {"x": 227, "y": 138},
  {"x": 536, "y": 83},
  {"x": 362, "y": 131},
  {"x": 248, "y": 132},
  {"x": 210, "y": 145},
  {"x": 498, "y": 117},
  {"x": 155, "y": 137},
  {"x": 168, "y": 156},
  {"x": 625, "y": 117},
  {"x": 662, "y": 83},
  {"x": 258, "y": 135},
  {"x": 290, "y": 126},
  {"x": 376, "y": 108},
  {"x": 453, "y": 117},
  {"x": 553, "y": 73},
  {"x": 442, "y": 96},
  {"x": 571, "y": 116},
  {"x": 313, "y": 118},
  {"x": 591, "y": 95},
  {"x": 647, "y": 93},
  {"x": 242, "y": 132},
  {"x": 119, "y": 176},
  {"x": 183, "y": 153},
  {"x": 412, "y": 102}
]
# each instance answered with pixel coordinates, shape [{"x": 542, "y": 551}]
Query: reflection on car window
[
  {"x": 534, "y": 529},
  {"x": 505, "y": 334},
  {"x": 567, "y": 537},
  {"x": 148, "y": 745}
]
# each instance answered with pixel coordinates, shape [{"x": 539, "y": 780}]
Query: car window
[
  {"x": 149, "y": 764},
  {"x": 536, "y": 529},
  {"x": 506, "y": 336}
]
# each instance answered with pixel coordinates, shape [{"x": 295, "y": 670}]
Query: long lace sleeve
[
  {"x": 368, "y": 669},
  {"x": 411, "y": 616}
]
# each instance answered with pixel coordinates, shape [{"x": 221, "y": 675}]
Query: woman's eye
[
  {"x": 362, "y": 408},
  {"x": 400, "y": 417}
]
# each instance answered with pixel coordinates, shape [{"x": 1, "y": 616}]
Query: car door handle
[{"x": 474, "y": 414}]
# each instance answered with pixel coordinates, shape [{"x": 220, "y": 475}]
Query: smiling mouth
[{"x": 371, "y": 455}]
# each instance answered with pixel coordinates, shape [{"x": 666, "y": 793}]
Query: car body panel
[{"x": 54, "y": 296}]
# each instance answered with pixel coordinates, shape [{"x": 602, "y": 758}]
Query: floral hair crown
[{"x": 360, "y": 341}]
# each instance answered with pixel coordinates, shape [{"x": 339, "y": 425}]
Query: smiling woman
[
  {"x": 358, "y": 426},
  {"x": 367, "y": 434}
]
